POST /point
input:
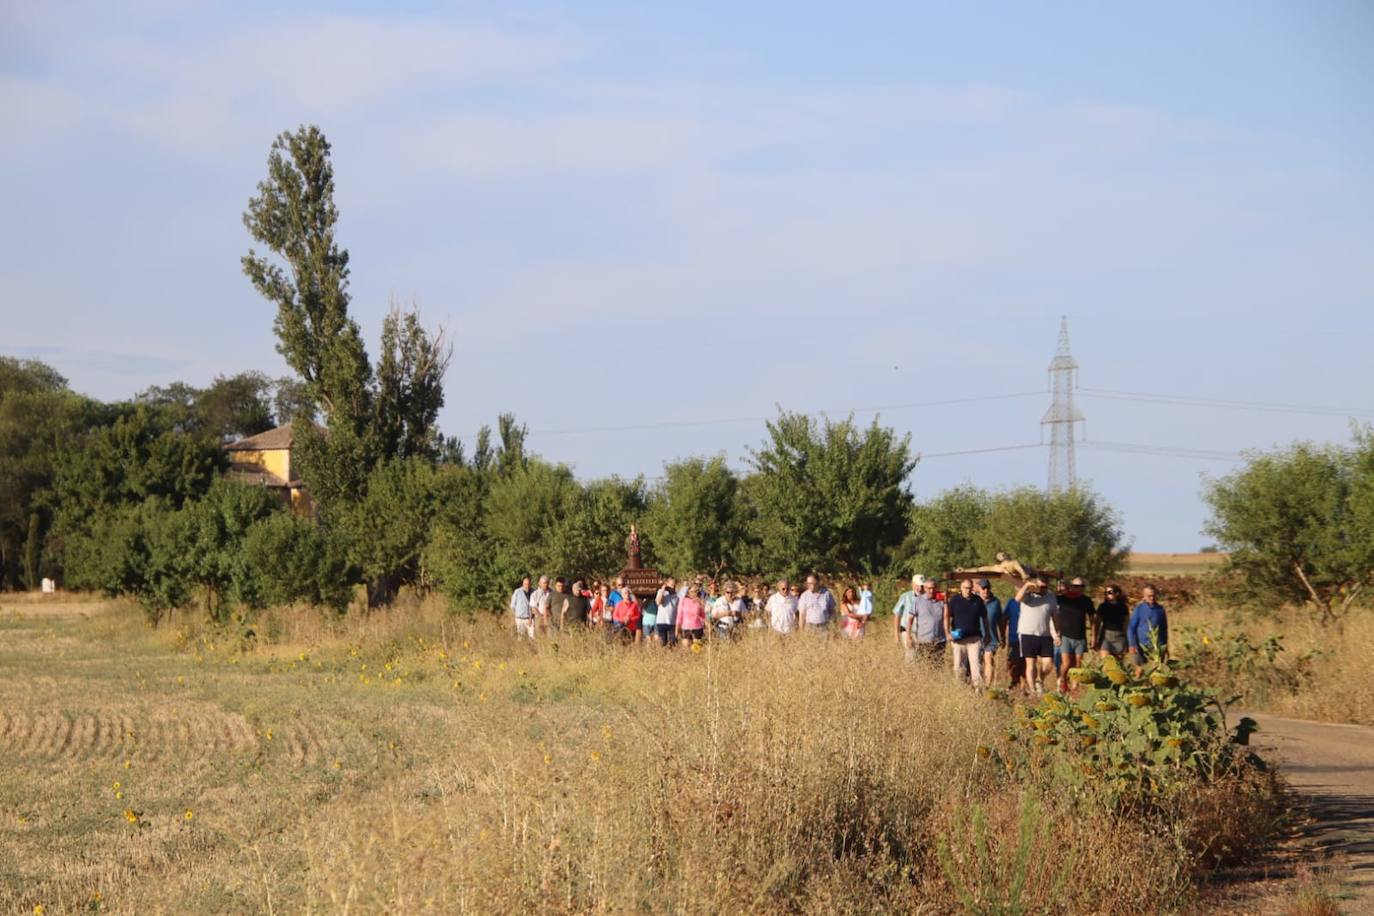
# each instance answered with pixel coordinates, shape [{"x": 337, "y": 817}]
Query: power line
[
  {"x": 1226, "y": 403},
  {"x": 720, "y": 421},
  {"x": 978, "y": 451},
  {"x": 1163, "y": 450}
]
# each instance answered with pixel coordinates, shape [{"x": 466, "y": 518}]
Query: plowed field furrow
[
  {"x": 84, "y": 732},
  {"x": 191, "y": 738}
]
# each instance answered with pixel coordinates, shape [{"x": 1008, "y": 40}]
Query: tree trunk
[
  {"x": 382, "y": 591},
  {"x": 31, "y": 553}
]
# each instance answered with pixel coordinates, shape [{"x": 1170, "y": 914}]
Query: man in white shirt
[
  {"x": 520, "y": 606},
  {"x": 666, "y": 599},
  {"x": 782, "y": 608},
  {"x": 1036, "y": 631},
  {"x": 816, "y": 606},
  {"x": 727, "y": 611},
  {"x": 540, "y": 601}
]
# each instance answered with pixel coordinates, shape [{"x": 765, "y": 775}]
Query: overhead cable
[
  {"x": 669, "y": 424},
  {"x": 1224, "y": 403}
]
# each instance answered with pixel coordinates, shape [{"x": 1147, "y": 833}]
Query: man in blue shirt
[
  {"x": 1148, "y": 631},
  {"x": 903, "y": 611},
  {"x": 996, "y": 630},
  {"x": 1016, "y": 665},
  {"x": 927, "y": 625}
]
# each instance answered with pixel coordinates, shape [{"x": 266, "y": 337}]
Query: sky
[{"x": 683, "y": 217}]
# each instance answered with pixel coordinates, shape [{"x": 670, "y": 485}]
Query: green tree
[
  {"x": 369, "y": 418},
  {"x": 591, "y": 538},
  {"x": 524, "y": 510},
  {"x": 387, "y": 529},
  {"x": 478, "y": 547},
  {"x": 831, "y": 496},
  {"x": 289, "y": 560},
  {"x": 458, "y": 552},
  {"x": 215, "y": 528},
  {"x": 410, "y": 387},
  {"x": 695, "y": 517},
  {"x": 294, "y": 215},
  {"x": 232, "y": 407},
  {"x": 944, "y": 532},
  {"x": 128, "y": 462},
  {"x": 38, "y": 415},
  {"x": 292, "y": 400},
  {"x": 1294, "y": 522},
  {"x": 1073, "y": 531}
]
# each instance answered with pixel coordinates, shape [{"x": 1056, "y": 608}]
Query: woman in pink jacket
[{"x": 691, "y": 617}]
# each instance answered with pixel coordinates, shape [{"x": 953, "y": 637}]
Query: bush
[
  {"x": 1232, "y": 663},
  {"x": 1132, "y": 739},
  {"x": 287, "y": 560},
  {"x": 1298, "y": 524}
]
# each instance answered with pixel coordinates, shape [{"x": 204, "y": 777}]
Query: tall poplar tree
[{"x": 370, "y": 419}]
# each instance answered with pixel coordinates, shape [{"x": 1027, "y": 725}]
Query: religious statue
[
  {"x": 632, "y": 545},
  {"x": 1005, "y": 565}
]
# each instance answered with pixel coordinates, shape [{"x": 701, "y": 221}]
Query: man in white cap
[{"x": 903, "y": 613}]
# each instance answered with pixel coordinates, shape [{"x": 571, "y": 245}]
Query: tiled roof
[
  {"x": 281, "y": 437},
  {"x": 271, "y": 439}
]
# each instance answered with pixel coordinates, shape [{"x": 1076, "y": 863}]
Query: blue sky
[{"x": 629, "y": 213}]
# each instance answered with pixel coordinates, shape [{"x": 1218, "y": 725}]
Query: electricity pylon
[{"x": 1063, "y": 416}]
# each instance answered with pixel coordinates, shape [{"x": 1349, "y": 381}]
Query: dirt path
[{"x": 1332, "y": 766}]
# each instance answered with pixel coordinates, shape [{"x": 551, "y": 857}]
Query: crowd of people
[{"x": 1032, "y": 640}]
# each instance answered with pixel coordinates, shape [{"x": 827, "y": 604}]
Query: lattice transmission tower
[{"x": 1063, "y": 417}]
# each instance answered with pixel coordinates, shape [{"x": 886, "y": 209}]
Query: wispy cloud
[{"x": 105, "y": 362}]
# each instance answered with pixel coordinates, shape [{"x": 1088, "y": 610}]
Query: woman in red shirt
[{"x": 628, "y": 614}]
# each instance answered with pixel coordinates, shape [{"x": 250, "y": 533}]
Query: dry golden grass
[
  {"x": 1173, "y": 564},
  {"x": 1322, "y": 672},
  {"x": 414, "y": 762}
]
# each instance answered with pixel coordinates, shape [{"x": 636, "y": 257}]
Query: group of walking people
[
  {"x": 1043, "y": 632},
  {"x": 687, "y": 611}
]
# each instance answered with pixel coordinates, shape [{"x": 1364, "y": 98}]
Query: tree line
[{"x": 130, "y": 498}]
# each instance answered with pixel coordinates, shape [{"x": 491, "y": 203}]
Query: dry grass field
[
  {"x": 414, "y": 762},
  {"x": 1173, "y": 564},
  {"x": 1286, "y": 662}
]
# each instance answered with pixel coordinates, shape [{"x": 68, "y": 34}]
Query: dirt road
[{"x": 1332, "y": 766}]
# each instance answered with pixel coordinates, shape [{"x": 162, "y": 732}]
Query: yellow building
[{"x": 264, "y": 460}]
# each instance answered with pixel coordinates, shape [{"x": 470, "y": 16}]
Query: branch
[
  {"x": 1350, "y": 598},
  {"x": 1316, "y": 599}
]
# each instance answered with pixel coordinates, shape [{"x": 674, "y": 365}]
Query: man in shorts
[
  {"x": 1016, "y": 665},
  {"x": 996, "y": 630},
  {"x": 1035, "y": 631},
  {"x": 1072, "y": 621},
  {"x": 666, "y": 623},
  {"x": 1111, "y": 624}
]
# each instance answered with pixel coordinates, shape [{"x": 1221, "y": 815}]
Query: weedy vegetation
[{"x": 412, "y": 760}]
